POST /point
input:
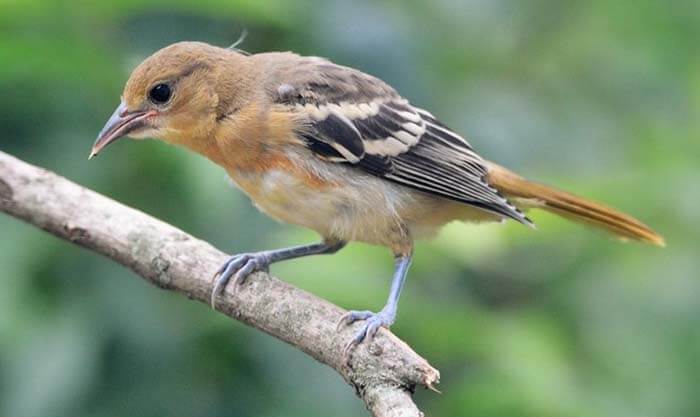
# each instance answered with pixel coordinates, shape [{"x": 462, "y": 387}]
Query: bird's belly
[
  {"x": 287, "y": 198},
  {"x": 347, "y": 210},
  {"x": 360, "y": 208}
]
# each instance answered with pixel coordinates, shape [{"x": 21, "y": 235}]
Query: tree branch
[{"x": 384, "y": 372}]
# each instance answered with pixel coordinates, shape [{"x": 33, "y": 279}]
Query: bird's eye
[{"x": 160, "y": 94}]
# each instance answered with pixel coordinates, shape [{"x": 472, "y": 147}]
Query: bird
[{"x": 335, "y": 150}]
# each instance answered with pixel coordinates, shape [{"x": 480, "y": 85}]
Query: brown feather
[{"x": 532, "y": 194}]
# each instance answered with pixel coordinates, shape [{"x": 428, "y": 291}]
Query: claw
[
  {"x": 218, "y": 288},
  {"x": 237, "y": 267}
]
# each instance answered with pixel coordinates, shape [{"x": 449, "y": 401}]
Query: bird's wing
[{"x": 356, "y": 119}]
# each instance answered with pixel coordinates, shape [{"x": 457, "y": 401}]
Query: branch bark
[{"x": 384, "y": 373}]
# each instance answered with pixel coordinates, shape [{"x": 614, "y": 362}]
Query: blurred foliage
[{"x": 599, "y": 97}]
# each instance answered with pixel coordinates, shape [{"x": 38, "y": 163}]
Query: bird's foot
[
  {"x": 238, "y": 267},
  {"x": 373, "y": 321}
]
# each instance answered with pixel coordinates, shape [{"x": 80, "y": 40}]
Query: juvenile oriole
[{"x": 332, "y": 149}]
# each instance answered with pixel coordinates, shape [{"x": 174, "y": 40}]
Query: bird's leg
[
  {"x": 386, "y": 317},
  {"x": 241, "y": 265}
]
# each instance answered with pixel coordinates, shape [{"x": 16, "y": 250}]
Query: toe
[
  {"x": 231, "y": 266},
  {"x": 372, "y": 328},
  {"x": 237, "y": 267},
  {"x": 373, "y": 322},
  {"x": 229, "y": 269},
  {"x": 352, "y": 316},
  {"x": 245, "y": 270},
  {"x": 356, "y": 340}
]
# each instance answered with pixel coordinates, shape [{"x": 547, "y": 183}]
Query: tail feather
[{"x": 532, "y": 194}]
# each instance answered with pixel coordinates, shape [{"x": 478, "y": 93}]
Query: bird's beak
[{"x": 121, "y": 123}]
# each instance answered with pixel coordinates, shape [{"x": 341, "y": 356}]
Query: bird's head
[{"x": 174, "y": 95}]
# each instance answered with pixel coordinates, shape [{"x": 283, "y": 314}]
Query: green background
[{"x": 599, "y": 97}]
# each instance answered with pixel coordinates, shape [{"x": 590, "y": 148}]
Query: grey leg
[
  {"x": 386, "y": 317},
  {"x": 240, "y": 266}
]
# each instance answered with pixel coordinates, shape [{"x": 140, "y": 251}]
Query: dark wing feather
[
  {"x": 326, "y": 134},
  {"x": 357, "y": 119}
]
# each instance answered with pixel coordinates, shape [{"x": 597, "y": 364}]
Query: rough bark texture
[{"x": 384, "y": 372}]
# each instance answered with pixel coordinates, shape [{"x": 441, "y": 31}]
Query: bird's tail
[{"x": 530, "y": 194}]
